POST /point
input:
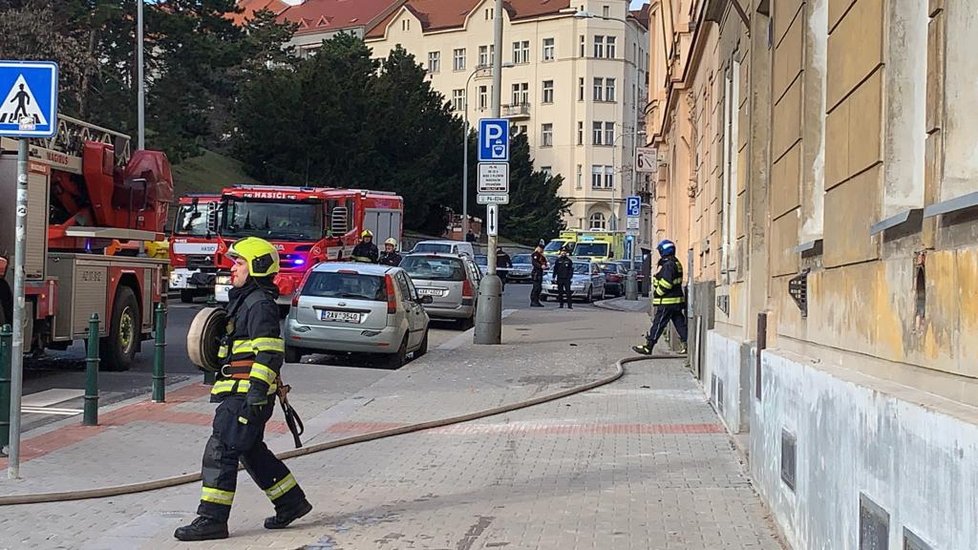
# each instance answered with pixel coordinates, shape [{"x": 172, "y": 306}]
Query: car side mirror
[{"x": 425, "y": 300}]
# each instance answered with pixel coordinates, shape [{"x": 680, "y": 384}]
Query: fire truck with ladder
[
  {"x": 193, "y": 246},
  {"x": 307, "y": 225},
  {"x": 92, "y": 205}
]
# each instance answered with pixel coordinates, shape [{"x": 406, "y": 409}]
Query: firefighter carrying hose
[{"x": 245, "y": 390}]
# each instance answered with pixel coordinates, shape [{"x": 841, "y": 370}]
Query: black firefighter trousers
[
  {"x": 238, "y": 437},
  {"x": 664, "y": 314}
]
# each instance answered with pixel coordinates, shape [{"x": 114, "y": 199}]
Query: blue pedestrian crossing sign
[
  {"x": 493, "y": 140},
  {"x": 633, "y": 206},
  {"x": 29, "y": 91}
]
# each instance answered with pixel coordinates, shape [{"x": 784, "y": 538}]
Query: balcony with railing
[{"x": 515, "y": 110}]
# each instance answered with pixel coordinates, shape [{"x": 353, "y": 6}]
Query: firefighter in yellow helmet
[
  {"x": 390, "y": 256},
  {"x": 245, "y": 390},
  {"x": 366, "y": 251}
]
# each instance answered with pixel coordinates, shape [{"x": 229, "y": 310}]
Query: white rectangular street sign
[
  {"x": 494, "y": 198},
  {"x": 493, "y": 177},
  {"x": 632, "y": 232},
  {"x": 632, "y": 223},
  {"x": 492, "y": 220}
]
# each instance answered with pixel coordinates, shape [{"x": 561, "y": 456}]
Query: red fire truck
[
  {"x": 308, "y": 225},
  {"x": 193, "y": 246},
  {"x": 87, "y": 194}
]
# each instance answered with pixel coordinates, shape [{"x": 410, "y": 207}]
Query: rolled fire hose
[{"x": 167, "y": 482}]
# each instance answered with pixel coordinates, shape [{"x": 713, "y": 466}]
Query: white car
[
  {"x": 444, "y": 247},
  {"x": 587, "y": 283},
  {"x": 357, "y": 308}
]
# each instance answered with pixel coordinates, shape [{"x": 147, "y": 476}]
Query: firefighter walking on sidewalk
[
  {"x": 668, "y": 298},
  {"x": 246, "y": 387}
]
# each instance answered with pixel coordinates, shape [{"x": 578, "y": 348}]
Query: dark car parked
[{"x": 614, "y": 278}]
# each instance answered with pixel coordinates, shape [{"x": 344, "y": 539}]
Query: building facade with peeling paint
[{"x": 818, "y": 164}]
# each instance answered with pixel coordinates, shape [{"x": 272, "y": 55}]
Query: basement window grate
[
  {"x": 913, "y": 542},
  {"x": 788, "y": 459},
  {"x": 713, "y": 386},
  {"x": 874, "y": 525}
]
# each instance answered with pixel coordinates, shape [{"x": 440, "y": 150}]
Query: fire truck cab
[
  {"x": 307, "y": 225},
  {"x": 193, "y": 246}
]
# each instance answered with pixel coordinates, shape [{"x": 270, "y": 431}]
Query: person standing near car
[
  {"x": 503, "y": 264},
  {"x": 564, "y": 273},
  {"x": 253, "y": 352},
  {"x": 668, "y": 299},
  {"x": 366, "y": 250},
  {"x": 540, "y": 265},
  {"x": 390, "y": 256}
]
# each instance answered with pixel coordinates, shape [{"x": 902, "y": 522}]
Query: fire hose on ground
[{"x": 174, "y": 481}]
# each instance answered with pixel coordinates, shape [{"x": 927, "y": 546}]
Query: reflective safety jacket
[
  {"x": 667, "y": 283},
  {"x": 253, "y": 350}
]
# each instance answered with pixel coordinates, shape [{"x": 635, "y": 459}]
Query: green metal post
[
  {"x": 90, "y": 416},
  {"x": 6, "y": 342},
  {"x": 159, "y": 369}
]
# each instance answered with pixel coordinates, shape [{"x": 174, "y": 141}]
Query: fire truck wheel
[{"x": 119, "y": 349}]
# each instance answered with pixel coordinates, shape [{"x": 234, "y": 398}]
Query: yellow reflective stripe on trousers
[
  {"x": 217, "y": 496},
  {"x": 268, "y": 344},
  {"x": 263, "y": 373},
  {"x": 280, "y": 488}
]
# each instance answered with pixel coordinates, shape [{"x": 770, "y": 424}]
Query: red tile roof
[
  {"x": 449, "y": 14},
  {"x": 329, "y": 15},
  {"x": 252, "y": 6}
]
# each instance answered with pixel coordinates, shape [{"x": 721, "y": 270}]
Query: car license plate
[
  {"x": 339, "y": 316},
  {"x": 430, "y": 292}
]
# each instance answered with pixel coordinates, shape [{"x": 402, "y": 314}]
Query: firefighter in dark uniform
[
  {"x": 503, "y": 264},
  {"x": 540, "y": 265},
  {"x": 245, "y": 390},
  {"x": 390, "y": 256},
  {"x": 668, "y": 298},
  {"x": 563, "y": 274},
  {"x": 366, "y": 250}
]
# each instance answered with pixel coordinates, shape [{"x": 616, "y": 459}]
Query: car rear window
[
  {"x": 433, "y": 248},
  {"x": 352, "y": 286},
  {"x": 521, "y": 259},
  {"x": 433, "y": 268}
]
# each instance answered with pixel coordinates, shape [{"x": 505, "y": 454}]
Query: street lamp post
[
  {"x": 465, "y": 145},
  {"x": 140, "y": 86}
]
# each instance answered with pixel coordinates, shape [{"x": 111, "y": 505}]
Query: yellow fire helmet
[
  {"x": 391, "y": 241},
  {"x": 261, "y": 256},
  {"x": 367, "y": 233}
]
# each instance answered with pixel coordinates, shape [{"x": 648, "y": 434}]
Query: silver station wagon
[
  {"x": 357, "y": 308},
  {"x": 452, "y": 282}
]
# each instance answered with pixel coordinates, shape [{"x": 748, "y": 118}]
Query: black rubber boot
[
  {"x": 644, "y": 350},
  {"x": 202, "y": 528},
  {"x": 283, "y": 519}
]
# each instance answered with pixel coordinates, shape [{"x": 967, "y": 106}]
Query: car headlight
[{"x": 223, "y": 279}]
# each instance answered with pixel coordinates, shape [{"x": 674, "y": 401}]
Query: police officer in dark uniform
[
  {"x": 245, "y": 390},
  {"x": 564, "y": 273},
  {"x": 540, "y": 265},
  {"x": 668, "y": 298},
  {"x": 366, "y": 250}
]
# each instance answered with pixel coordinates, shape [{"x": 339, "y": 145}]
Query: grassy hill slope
[{"x": 208, "y": 173}]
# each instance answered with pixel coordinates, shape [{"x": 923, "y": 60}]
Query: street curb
[{"x": 608, "y": 305}]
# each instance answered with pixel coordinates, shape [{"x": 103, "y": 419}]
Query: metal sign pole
[
  {"x": 17, "y": 349},
  {"x": 489, "y": 313}
]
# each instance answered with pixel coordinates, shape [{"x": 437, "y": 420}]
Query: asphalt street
[{"x": 54, "y": 384}]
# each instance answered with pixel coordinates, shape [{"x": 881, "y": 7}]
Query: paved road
[{"x": 54, "y": 384}]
